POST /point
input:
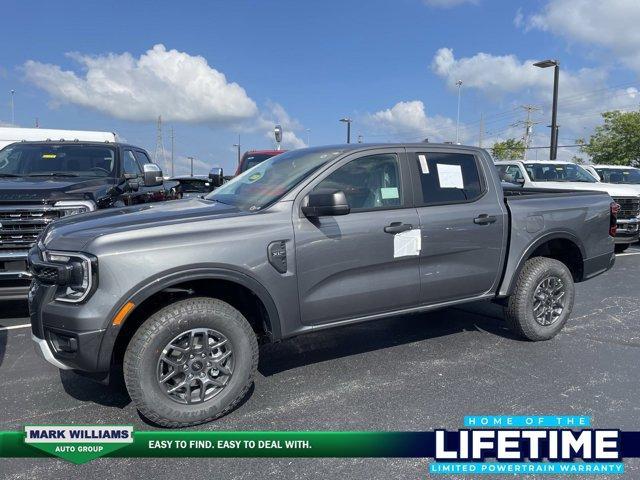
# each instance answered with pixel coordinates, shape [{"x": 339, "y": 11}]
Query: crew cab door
[
  {"x": 346, "y": 264},
  {"x": 463, "y": 222}
]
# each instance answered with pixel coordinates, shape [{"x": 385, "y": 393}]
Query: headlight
[
  {"x": 80, "y": 278},
  {"x": 72, "y": 207}
]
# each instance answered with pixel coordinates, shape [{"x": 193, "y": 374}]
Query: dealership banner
[{"x": 486, "y": 444}]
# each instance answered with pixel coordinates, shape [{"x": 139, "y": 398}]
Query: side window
[
  {"x": 509, "y": 173},
  {"x": 129, "y": 163},
  {"x": 369, "y": 183},
  {"x": 142, "y": 158},
  {"x": 448, "y": 177}
]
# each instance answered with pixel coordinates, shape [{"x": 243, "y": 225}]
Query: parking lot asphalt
[{"x": 416, "y": 372}]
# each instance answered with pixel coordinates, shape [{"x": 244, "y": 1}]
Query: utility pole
[
  {"x": 528, "y": 124},
  {"x": 191, "y": 160},
  {"x": 360, "y": 138},
  {"x": 172, "y": 173},
  {"x": 481, "y": 130},
  {"x": 160, "y": 154},
  {"x": 459, "y": 85},
  {"x": 37, "y": 123},
  {"x": 13, "y": 112},
  {"x": 308, "y": 137}
]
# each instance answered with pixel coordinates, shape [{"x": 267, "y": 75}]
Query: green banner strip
[{"x": 249, "y": 444}]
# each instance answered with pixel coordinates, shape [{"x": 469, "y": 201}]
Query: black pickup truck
[{"x": 43, "y": 181}]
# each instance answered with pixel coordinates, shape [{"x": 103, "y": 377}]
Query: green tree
[
  {"x": 510, "y": 149},
  {"x": 617, "y": 141}
]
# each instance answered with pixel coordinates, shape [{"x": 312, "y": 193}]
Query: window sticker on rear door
[
  {"x": 450, "y": 176},
  {"x": 407, "y": 244},
  {"x": 388, "y": 193}
]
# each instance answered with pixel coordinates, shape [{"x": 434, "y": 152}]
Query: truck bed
[{"x": 581, "y": 217}]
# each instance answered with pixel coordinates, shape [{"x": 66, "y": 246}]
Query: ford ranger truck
[
  {"x": 43, "y": 181},
  {"x": 181, "y": 293},
  {"x": 558, "y": 175}
]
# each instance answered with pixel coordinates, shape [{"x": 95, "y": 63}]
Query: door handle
[
  {"x": 484, "y": 219},
  {"x": 397, "y": 227}
]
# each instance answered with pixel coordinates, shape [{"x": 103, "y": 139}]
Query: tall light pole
[
  {"x": 238, "y": 147},
  {"x": 191, "y": 159},
  {"x": 348, "y": 121},
  {"x": 308, "y": 137},
  {"x": 13, "y": 113},
  {"x": 459, "y": 85},
  {"x": 553, "y": 148}
]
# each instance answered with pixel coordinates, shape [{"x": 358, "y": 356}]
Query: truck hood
[
  {"x": 74, "y": 232},
  {"x": 614, "y": 190},
  {"x": 50, "y": 190}
]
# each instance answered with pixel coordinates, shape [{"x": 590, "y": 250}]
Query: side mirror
[
  {"x": 152, "y": 175},
  {"x": 216, "y": 177},
  {"x": 519, "y": 181},
  {"x": 325, "y": 202}
]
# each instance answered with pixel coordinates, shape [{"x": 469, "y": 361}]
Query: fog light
[{"x": 63, "y": 343}]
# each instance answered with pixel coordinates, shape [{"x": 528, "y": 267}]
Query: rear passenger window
[{"x": 448, "y": 177}]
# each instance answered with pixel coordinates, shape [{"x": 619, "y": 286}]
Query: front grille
[
  {"x": 20, "y": 225},
  {"x": 629, "y": 208}
]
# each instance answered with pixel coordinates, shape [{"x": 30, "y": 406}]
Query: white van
[
  {"x": 559, "y": 175},
  {"x": 9, "y": 135}
]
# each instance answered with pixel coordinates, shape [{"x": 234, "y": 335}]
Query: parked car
[
  {"x": 189, "y": 186},
  {"x": 9, "y": 135},
  {"x": 618, "y": 174},
  {"x": 43, "y": 181},
  {"x": 182, "y": 292},
  {"x": 254, "y": 157},
  {"x": 559, "y": 175}
]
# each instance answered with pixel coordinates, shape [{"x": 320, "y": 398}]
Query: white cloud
[
  {"x": 447, "y": 3},
  {"x": 409, "y": 121},
  {"x": 500, "y": 74},
  {"x": 610, "y": 24},
  {"x": 176, "y": 85}
]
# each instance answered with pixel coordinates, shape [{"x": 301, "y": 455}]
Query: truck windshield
[
  {"x": 31, "y": 160},
  {"x": 619, "y": 175},
  {"x": 265, "y": 183},
  {"x": 558, "y": 172}
]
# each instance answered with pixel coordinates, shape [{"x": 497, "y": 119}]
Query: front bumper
[
  {"x": 14, "y": 276},
  {"x": 61, "y": 335},
  {"x": 628, "y": 231}
]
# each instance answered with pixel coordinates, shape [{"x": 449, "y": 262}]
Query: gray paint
[{"x": 340, "y": 269}]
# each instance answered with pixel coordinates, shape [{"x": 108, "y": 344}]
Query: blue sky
[{"x": 216, "y": 69}]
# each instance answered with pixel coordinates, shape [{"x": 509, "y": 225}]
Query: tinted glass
[
  {"x": 265, "y": 183},
  {"x": 619, "y": 175},
  {"x": 509, "y": 173},
  {"x": 64, "y": 160},
  {"x": 142, "y": 158},
  {"x": 197, "y": 186},
  {"x": 558, "y": 172},
  {"x": 251, "y": 160},
  {"x": 448, "y": 177},
  {"x": 371, "y": 182},
  {"x": 129, "y": 163}
]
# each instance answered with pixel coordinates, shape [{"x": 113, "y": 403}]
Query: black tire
[
  {"x": 141, "y": 361},
  {"x": 520, "y": 308},
  {"x": 621, "y": 247}
]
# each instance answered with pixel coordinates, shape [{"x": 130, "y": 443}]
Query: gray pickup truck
[{"x": 181, "y": 293}]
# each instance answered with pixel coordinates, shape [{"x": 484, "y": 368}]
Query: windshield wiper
[{"x": 52, "y": 174}]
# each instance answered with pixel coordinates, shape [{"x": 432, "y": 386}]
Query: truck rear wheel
[
  {"x": 542, "y": 299},
  {"x": 191, "y": 362}
]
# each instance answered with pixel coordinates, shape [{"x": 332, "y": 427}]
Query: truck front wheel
[
  {"x": 191, "y": 362},
  {"x": 542, "y": 299}
]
